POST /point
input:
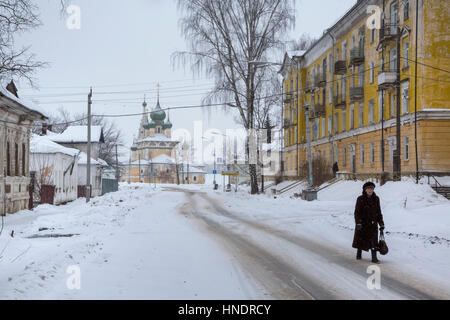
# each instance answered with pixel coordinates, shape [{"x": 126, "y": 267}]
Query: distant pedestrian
[
  {"x": 335, "y": 169},
  {"x": 367, "y": 218}
]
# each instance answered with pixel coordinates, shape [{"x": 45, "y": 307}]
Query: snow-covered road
[{"x": 190, "y": 242}]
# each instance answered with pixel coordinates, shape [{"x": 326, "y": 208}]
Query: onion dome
[{"x": 158, "y": 115}]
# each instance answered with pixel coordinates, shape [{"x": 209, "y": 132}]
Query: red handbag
[{"x": 382, "y": 246}]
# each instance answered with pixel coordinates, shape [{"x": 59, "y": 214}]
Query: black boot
[
  {"x": 359, "y": 254},
  {"x": 374, "y": 257}
]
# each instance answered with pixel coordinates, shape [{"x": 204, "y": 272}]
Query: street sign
[
  {"x": 230, "y": 173},
  {"x": 214, "y": 171}
]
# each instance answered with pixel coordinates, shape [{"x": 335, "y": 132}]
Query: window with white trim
[
  {"x": 344, "y": 120},
  {"x": 405, "y": 97},
  {"x": 352, "y": 116},
  {"x": 372, "y": 152},
  {"x": 361, "y": 115},
  {"x": 344, "y": 157},
  {"x": 372, "y": 72}
]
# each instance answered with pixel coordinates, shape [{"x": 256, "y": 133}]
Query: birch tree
[{"x": 224, "y": 39}]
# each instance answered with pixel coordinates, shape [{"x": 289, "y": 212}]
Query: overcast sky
[{"x": 126, "y": 46}]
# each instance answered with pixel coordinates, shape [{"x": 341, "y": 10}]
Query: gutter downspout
[
  {"x": 4, "y": 173},
  {"x": 332, "y": 62}
]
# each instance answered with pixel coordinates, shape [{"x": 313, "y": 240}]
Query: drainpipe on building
[
  {"x": 297, "y": 69},
  {"x": 4, "y": 173},
  {"x": 332, "y": 62}
]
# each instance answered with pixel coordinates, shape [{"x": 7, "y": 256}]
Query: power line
[{"x": 426, "y": 65}]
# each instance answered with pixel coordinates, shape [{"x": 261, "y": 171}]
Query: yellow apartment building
[{"x": 348, "y": 82}]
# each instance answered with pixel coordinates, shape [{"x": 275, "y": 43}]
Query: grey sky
[{"x": 126, "y": 46}]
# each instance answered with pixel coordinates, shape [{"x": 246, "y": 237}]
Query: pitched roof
[
  {"x": 22, "y": 102},
  {"x": 78, "y": 134},
  {"x": 44, "y": 145}
]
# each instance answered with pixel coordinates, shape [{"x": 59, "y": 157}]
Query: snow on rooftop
[
  {"x": 83, "y": 160},
  {"x": 78, "y": 134},
  {"x": 39, "y": 144},
  {"x": 23, "y": 102},
  {"x": 296, "y": 53},
  {"x": 192, "y": 169}
]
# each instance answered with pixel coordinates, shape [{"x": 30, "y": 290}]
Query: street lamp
[{"x": 214, "y": 160}]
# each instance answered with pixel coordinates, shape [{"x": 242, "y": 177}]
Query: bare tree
[
  {"x": 303, "y": 43},
  {"x": 225, "y": 38},
  {"x": 16, "y": 17}
]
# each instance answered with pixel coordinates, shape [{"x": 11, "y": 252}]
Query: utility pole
[
  {"x": 129, "y": 170},
  {"x": 415, "y": 93},
  {"x": 397, "y": 153},
  {"x": 139, "y": 157},
  {"x": 88, "y": 173},
  {"x": 308, "y": 137}
]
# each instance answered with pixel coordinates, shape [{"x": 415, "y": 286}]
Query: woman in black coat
[{"x": 367, "y": 218}]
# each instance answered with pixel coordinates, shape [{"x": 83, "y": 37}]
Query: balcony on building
[
  {"x": 339, "y": 102},
  {"x": 356, "y": 93},
  {"x": 356, "y": 56},
  {"x": 320, "y": 110},
  {"x": 322, "y": 81},
  {"x": 386, "y": 80},
  {"x": 340, "y": 67},
  {"x": 388, "y": 33},
  {"x": 308, "y": 87}
]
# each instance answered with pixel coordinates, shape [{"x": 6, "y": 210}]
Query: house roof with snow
[
  {"x": 28, "y": 108},
  {"x": 78, "y": 134},
  {"x": 43, "y": 145},
  {"x": 83, "y": 160},
  {"x": 162, "y": 159}
]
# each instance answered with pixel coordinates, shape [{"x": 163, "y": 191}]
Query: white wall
[{"x": 65, "y": 186}]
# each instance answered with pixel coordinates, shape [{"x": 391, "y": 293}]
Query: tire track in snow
[
  {"x": 394, "y": 284},
  {"x": 279, "y": 278}
]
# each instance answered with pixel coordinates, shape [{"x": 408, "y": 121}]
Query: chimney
[
  {"x": 44, "y": 129},
  {"x": 11, "y": 87}
]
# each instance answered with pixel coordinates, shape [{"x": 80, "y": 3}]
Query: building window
[
  {"x": 344, "y": 157},
  {"x": 8, "y": 160},
  {"x": 371, "y": 112},
  {"x": 330, "y": 125},
  {"x": 330, "y": 95},
  {"x": 337, "y": 155},
  {"x": 393, "y": 105},
  {"x": 352, "y": 116},
  {"x": 372, "y": 35},
  {"x": 344, "y": 88},
  {"x": 406, "y": 10},
  {"x": 344, "y": 120},
  {"x": 336, "y": 120},
  {"x": 323, "y": 128},
  {"x": 361, "y": 115},
  {"x": 393, "y": 63},
  {"x": 405, "y": 98},
  {"x": 361, "y": 154},
  {"x": 344, "y": 50},
  {"x": 372, "y": 153},
  {"x": 372, "y": 72},
  {"x": 406, "y": 54},
  {"x": 361, "y": 76},
  {"x": 24, "y": 172},
  {"x": 380, "y": 106},
  {"x": 16, "y": 159}
]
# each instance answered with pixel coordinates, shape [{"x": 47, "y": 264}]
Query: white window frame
[
  {"x": 344, "y": 157},
  {"x": 323, "y": 128},
  {"x": 344, "y": 121},
  {"x": 405, "y": 97},
  {"x": 352, "y": 116},
  {"x": 372, "y": 152},
  {"x": 361, "y": 115},
  {"x": 372, "y": 72}
]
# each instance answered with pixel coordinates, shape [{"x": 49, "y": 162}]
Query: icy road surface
[{"x": 190, "y": 242}]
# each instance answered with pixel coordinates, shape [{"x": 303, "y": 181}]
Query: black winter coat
[{"x": 368, "y": 214}]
